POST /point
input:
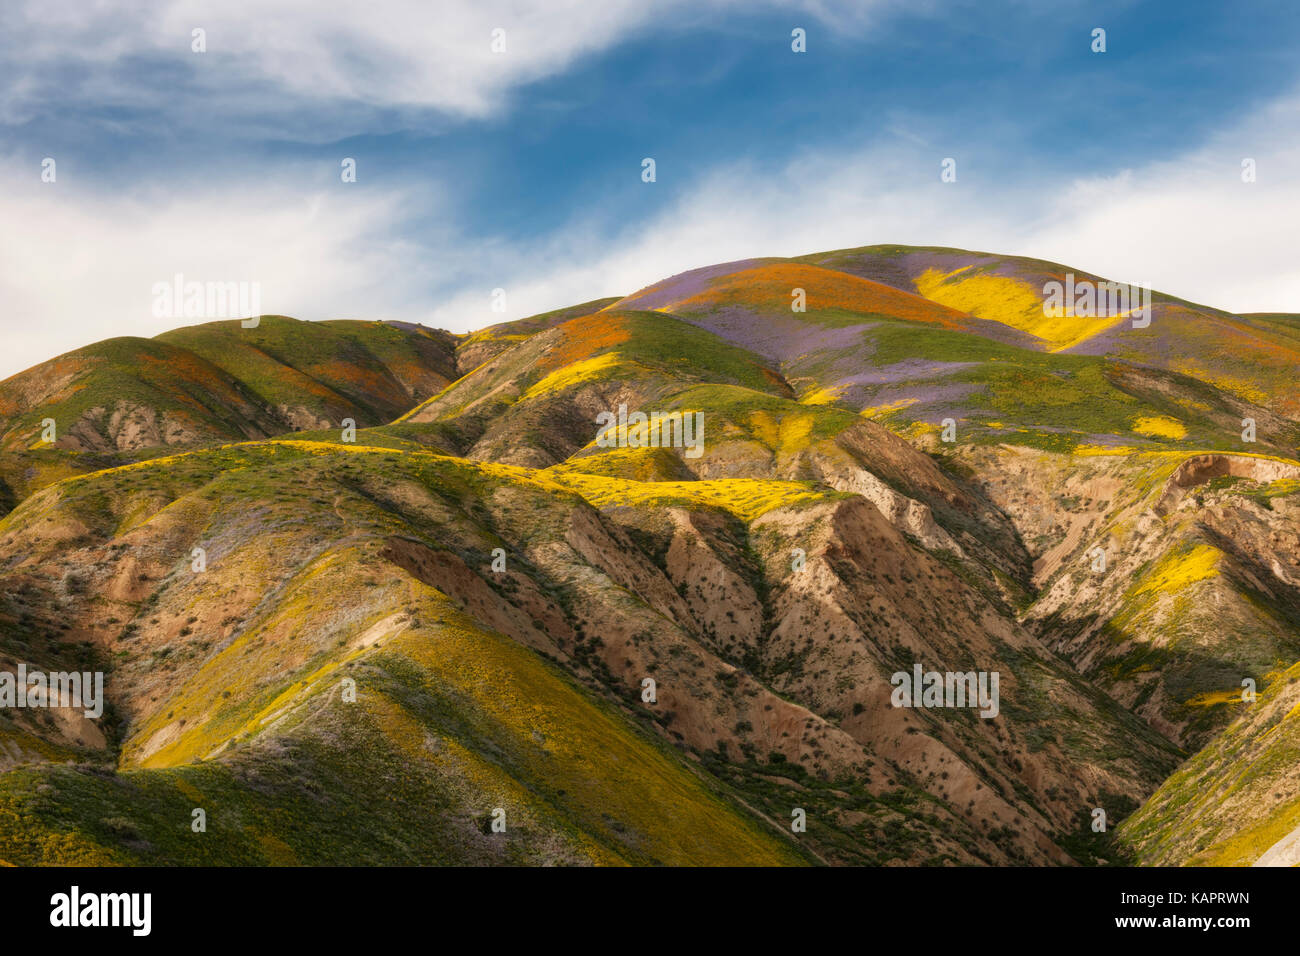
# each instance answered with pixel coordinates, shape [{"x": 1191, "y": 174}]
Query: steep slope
[
  {"x": 230, "y": 686},
  {"x": 1237, "y": 802},
  {"x": 485, "y": 344},
  {"x": 221, "y": 381},
  {"x": 1006, "y": 289},
  {"x": 320, "y": 556},
  {"x": 814, "y": 322},
  {"x": 311, "y": 373},
  {"x": 1251, "y": 357},
  {"x": 752, "y": 434},
  {"x": 127, "y": 393},
  {"x": 537, "y": 403},
  {"x": 1167, "y": 579}
]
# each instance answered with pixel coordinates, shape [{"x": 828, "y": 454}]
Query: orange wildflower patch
[
  {"x": 584, "y": 337},
  {"x": 339, "y": 370},
  {"x": 770, "y": 288}
]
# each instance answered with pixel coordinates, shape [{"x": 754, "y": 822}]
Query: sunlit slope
[
  {"x": 1237, "y": 801},
  {"x": 1058, "y": 402},
  {"x": 815, "y": 322},
  {"x": 1252, "y": 357},
  {"x": 1195, "y": 601},
  {"x": 324, "y": 371},
  {"x": 538, "y": 402},
  {"x": 1195, "y": 622},
  {"x": 498, "y": 585},
  {"x": 997, "y": 297},
  {"x": 111, "y": 401},
  {"x": 751, "y": 434},
  {"x": 871, "y": 603},
  {"x": 915, "y": 336},
  {"x": 205, "y": 662},
  {"x": 1009, "y": 289},
  {"x": 1015, "y": 302},
  {"x": 803, "y": 293},
  {"x": 478, "y": 347},
  {"x": 1166, "y": 578},
  {"x": 221, "y": 381},
  {"x": 230, "y": 685},
  {"x": 127, "y": 393},
  {"x": 128, "y": 398},
  {"x": 326, "y": 560},
  {"x": 450, "y": 725}
]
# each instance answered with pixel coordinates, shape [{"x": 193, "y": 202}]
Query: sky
[{"x": 520, "y": 168}]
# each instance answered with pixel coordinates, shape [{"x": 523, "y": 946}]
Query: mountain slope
[
  {"x": 498, "y": 586},
  {"x": 316, "y": 561},
  {"x": 127, "y": 398}
]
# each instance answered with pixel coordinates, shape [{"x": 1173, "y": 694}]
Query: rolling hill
[
  {"x": 485, "y": 630},
  {"x": 128, "y": 398}
]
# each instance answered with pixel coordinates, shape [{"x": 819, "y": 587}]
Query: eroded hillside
[{"x": 361, "y": 647}]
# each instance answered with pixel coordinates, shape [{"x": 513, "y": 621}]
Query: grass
[
  {"x": 1180, "y": 568},
  {"x": 1159, "y": 426},
  {"x": 1232, "y": 800},
  {"x": 1054, "y": 401},
  {"x": 659, "y": 341},
  {"x": 831, "y": 296}
]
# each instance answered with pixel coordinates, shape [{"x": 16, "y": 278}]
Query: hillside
[
  {"x": 393, "y": 637},
  {"x": 128, "y": 398}
]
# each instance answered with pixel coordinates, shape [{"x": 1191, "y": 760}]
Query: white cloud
[
  {"x": 76, "y": 267},
  {"x": 382, "y": 53},
  {"x": 1188, "y": 225}
]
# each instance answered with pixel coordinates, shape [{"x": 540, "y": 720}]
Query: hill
[{"x": 500, "y": 602}]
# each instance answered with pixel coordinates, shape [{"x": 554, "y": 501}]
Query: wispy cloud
[
  {"x": 1188, "y": 225},
  {"x": 281, "y": 56}
]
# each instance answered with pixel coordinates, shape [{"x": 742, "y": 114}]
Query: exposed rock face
[
  {"x": 129, "y": 427},
  {"x": 1200, "y": 469},
  {"x": 904, "y": 513}
]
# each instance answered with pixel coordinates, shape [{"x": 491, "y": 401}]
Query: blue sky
[{"x": 521, "y": 170}]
